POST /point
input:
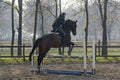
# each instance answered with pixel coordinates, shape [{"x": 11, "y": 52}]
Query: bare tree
[
  {"x": 41, "y": 13},
  {"x": 13, "y": 31},
  {"x": 35, "y": 25},
  {"x": 87, "y": 23},
  {"x": 60, "y": 6},
  {"x": 103, "y": 14},
  {"x": 56, "y": 5},
  {"x": 20, "y": 28},
  {"x": 112, "y": 17},
  {"x": 56, "y": 2}
]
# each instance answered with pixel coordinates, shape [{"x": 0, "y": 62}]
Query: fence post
[
  {"x": 23, "y": 52},
  {"x": 95, "y": 52},
  {"x": 94, "y": 57},
  {"x": 99, "y": 42},
  {"x": 84, "y": 57}
]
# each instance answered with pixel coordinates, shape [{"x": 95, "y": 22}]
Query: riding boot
[
  {"x": 63, "y": 40},
  {"x": 53, "y": 30}
]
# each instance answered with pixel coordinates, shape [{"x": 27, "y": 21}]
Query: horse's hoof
[{"x": 69, "y": 53}]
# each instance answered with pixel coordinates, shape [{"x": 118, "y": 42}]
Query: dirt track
[{"x": 21, "y": 71}]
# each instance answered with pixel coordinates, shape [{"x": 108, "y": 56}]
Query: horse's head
[{"x": 71, "y": 25}]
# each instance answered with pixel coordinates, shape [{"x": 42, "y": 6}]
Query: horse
[{"x": 53, "y": 40}]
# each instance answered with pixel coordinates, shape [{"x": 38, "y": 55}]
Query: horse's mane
[{"x": 68, "y": 21}]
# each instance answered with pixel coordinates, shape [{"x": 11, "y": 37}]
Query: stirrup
[{"x": 53, "y": 31}]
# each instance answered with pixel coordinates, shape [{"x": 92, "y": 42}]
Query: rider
[{"x": 58, "y": 25}]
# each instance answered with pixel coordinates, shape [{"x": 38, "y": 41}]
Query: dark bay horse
[{"x": 53, "y": 40}]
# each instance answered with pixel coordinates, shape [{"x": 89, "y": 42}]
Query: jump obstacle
[{"x": 72, "y": 72}]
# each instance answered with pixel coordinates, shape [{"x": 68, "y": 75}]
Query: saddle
[
  {"x": 62, "y": 39},
  {"x": 54, "y": 31}
]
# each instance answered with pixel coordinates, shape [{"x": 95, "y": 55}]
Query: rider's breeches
[{"x": 60, "y": 30}]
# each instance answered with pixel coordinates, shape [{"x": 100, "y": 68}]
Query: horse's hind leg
[
  {"x": 40, "y": 59},
  {"x": 70, "y": 50},
  {"x": 41, "y": 56}
]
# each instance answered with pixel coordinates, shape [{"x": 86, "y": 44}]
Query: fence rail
[
  {"x": 24, "y": 48},
  {"x": 14, "y": 46}
]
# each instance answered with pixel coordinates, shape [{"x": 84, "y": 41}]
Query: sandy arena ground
[{"x": 21, "y": 71}]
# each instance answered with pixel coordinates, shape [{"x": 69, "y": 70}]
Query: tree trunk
[
  {"x": 13, "y": 31},
  {"x": 42, "y": 24},
  {"x": 104, "y": 42},
  {"x": 60, "y": 6},
  {"x": 20, "y": 28},
  {"x": 56, "y": 13},
  {"x": 103, "y": 20},
  {"x": 35, "y": 25},
  {"x": 87, "y": 23}
]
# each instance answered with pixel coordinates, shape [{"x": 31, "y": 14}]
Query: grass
[
  {"x": 48, "y": 60},
  {"x": 54, "y": 51},
  {"x": 108, "y": 59},
  {"x": 11, "y": 60}
]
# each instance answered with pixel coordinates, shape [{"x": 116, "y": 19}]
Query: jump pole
[
  {"x": 75, "y": 72},
  {"x": 72, "y": 72},
  {"x": 32, "y": 63},
  {"x": 93, "y": 71},
  {"x": 94, "y": 58},
  {"x": 84, "y": 58}
]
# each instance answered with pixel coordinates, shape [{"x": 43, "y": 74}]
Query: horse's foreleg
[
  {"x": 71, "y": 45},
  {"x": 59, "y": 50}
]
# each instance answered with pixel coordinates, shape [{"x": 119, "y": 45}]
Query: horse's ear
[{"x": 76, "y": 21}]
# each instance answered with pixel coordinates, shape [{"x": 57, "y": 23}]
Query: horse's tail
[{"x": 34, "y": 46}]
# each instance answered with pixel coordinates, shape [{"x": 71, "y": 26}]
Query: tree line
[{"x": 102, "y": 6}]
